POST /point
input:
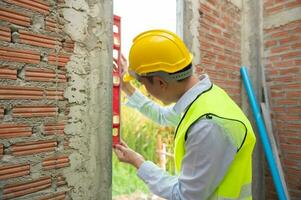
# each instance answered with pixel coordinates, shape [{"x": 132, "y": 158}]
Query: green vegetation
[{"x": 140, "y": 134}]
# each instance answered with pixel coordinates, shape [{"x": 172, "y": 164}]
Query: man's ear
[{"x": 160, "y": 81}]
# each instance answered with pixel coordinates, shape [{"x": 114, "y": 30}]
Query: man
[{"x": 213, "y": 139}]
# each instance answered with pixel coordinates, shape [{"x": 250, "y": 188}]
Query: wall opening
[{"x": 138, "y": 132}]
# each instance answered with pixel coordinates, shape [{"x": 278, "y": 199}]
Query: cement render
[{"x": 89, "y": 91}]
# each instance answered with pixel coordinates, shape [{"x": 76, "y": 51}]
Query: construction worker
[{"x": 213, "y": 140}]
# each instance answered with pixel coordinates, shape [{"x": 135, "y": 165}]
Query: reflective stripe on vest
[{"x": 215, "y": 104}]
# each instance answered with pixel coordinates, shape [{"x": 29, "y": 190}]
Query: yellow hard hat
[{"x": 157, "y": 50}]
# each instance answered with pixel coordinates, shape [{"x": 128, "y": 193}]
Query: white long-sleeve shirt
[{"x": 208, "y": 150}]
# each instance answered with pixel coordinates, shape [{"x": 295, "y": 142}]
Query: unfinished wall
[
  {"x": 55, "y": 92},
  {"x": 262, "y": 35},
  {"x": 282, "y": 61},
  {"x": 220, "y": 44}
]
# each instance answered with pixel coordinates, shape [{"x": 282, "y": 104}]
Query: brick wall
[
  {"x": 220, "y": 45},
  {"x": 33, "y": 146},
  {"x": 282, "y": 59},
  {"x": 275, "y": 6}
]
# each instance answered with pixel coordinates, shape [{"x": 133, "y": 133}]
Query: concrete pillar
[
  {"x": 252, "y": 53},
  {"x": 188, "y": 25},
  {"x": 89, "y": 24}
]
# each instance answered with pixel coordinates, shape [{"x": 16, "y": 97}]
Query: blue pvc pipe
[{"x": 263, "y": 134}]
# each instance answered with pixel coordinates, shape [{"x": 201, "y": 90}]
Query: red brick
[
  {"x": 292, "y": 163},
  {"x": 60, "y": 60},
  {"x": 1, "y": 150},
  {"x": 216, "y": 31},
  {"x": 293, "y": 4},
  {"x": 16, "y": 92},
  {"x": 35, "y": 111},
  {"x": 296, "y": 94},
  {"x": 5, "y": 34},
  {"x": 274, "y": 10},
  {"x": 36, "y": 5},
  {"x": 298, "y": 62},
  {"x": 52, "y": 24},
  {"x": 205, "y": 8},
  {"x": 54, "y": 128},
  {"x": 295, "y": 109},
  {"x": 15, "y": 170},
  {"x": 289, "y": 39},
  {"x": 210, "y": 19},
  {"x": 17, "y": 55},
  {"x": 14, "y": 130},
  {"x": 20, "y": 189},
  {"x": 290, "y": 148},
  {"x": 30, "y": 148},
  {"x": 291, "y": 55},
  {"x": 294, "y": 126},
  {"x": 55, "y": 162},
  {"x": 279, "y": 49},
  {"x": 287, "y": 101},
  {"x": 284, "y": 64},
  {"x": 296, "y": 194},
  {"x": 56, "y": 196},
  {"x": 296, "y": 46},
  {"x": 68, "y": 46},
  {"x": 275, "y": 94},
  {"x": 205, "y": 44},
  {"x": 205, "y": 27},
  {"x": 1, "y": 112},
  {"x": 291, "y": 70},
  {"x": 293, "y": 25},
  {"x": 47, "y": 75},
  {"x": 8, "y": 73},
  {"x": 268, "y": 3},
  {"x": 213, "y": 2},
  {"x": 55, "y": 94},
  {"x": 38, "y": 40},
  {"x": 294, "y": 156},
  {"x": 296, "y": 141},
  {"x": 274, "y": 58},
  {"x": 14, "y": 17},
  {"x": 283, "y": 79},
  {"x": 279, "y": 34},
  {"x": 288, "y": 116},
  {"x": 270, "y": 43}
]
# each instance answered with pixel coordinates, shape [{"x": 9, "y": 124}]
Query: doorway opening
[{"x": 141, "y": 134}]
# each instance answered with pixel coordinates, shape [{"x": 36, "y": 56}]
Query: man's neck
[{"x": 187, "y": 85}]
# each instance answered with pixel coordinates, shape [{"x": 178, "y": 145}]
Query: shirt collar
[{"x": 189, "y": 96}]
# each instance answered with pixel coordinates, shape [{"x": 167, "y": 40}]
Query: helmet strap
[{"x": 172, "y": 77}]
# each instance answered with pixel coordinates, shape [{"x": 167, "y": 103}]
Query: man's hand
[
  {"x": 127, "y": 155},
  {"x": 125, "y": 86}
]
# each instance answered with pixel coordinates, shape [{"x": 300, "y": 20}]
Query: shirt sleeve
[
  {"x": 208, "y": 155},
  {"x": 162, "y": 115}
]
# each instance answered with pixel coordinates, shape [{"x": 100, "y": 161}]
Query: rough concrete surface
[
  {"x": 89, "y": 24},
  {"x": 191, "y": 27}
]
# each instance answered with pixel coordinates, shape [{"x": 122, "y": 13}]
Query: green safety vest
[{"x": 216, "y": 105}]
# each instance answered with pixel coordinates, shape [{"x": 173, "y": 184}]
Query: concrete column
[
  {"x": 252, "y": 53},
  {"x": 89, "y": 24},
  {"x": 188, "y": 25}
]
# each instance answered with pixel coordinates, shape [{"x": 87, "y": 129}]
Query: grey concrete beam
[{"x": 282, "y": 18}]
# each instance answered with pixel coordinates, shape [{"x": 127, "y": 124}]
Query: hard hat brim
[{"x": 127, "y": 77}]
